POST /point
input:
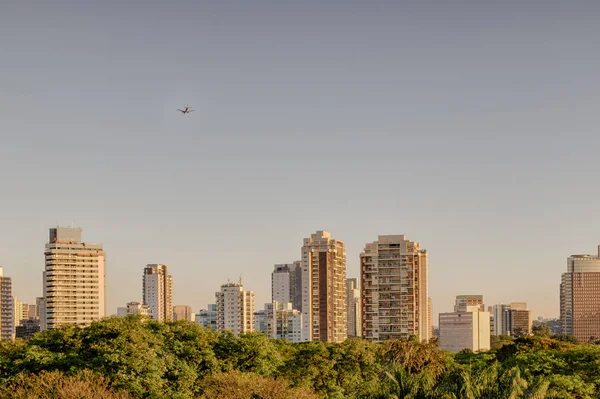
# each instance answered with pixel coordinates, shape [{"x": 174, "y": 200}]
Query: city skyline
[
  {"x": 472, "y": 128},
  {"x": 202, "y": 305}
]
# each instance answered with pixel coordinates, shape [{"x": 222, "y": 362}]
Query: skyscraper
[
  {"x": 580, "y": 297},
  {"x": 286, "y": 284},
  {"x": 353, "y": 306},
  {"x": 323, "y": 289},
  {"x": 429, "y": 318},
  {"x": 74, "y": 280},
  {"x": 7, "y": 317},
  {"x": 235, "y": 309},
  {"x": 157, "y": 292},
  {"x": 394, "y": 289}
]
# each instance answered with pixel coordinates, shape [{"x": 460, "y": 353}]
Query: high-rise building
[
  {"x": 286, "y": 284},
  {"x": 498, "y": 324},
  {"x": 208, "y": 318},
  {"x": 518, "y": 322},
  {"x": 353, "y": 305},
  {"x": 21, "y": 311},
  {"x": 157, "y": 292},
  {"x": 183, "y": 312},
  {"x": 394, "y": 289},
  {"x": 462, "y": 301},
  {"x": 235, "y": 309},
  {"x": 580, "y": 297},
  {"x": 7, "y": 308},
  {"x": 74, "y": 280},
  {"x": 323, "y": 289},
  {"x": 32, "y": 312},
  {"x": 465, "y": 329}
]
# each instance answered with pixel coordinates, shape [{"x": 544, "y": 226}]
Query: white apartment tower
[
  {"x": 7, "y": 326},
  {"x": 157, "y": 292},
  {"x": 235, "y": 309},
  {"x": 394, "y": 289},
  {"x": 74, "y": 280},
  {"x": 323, "y": 289},
  {"x": 286, "y": 284},
  {"x": 353, "y": 306}
]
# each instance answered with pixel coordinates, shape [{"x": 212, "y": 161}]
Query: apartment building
[
  {"x": 394, "y": 289},
  {"x": 286, "y": 284},
  {"x": 580, "y": 297},
  {"x": 208, "y": 317},
  {"x": 235, "y": 309},
  {"x": 183, "y": 312},
  {"x": 7, "y": 317},
  {"x": 323, "y": 288},
  {"x": 353, "y": 308},
  {"x": 157, "y": 291},
  {"x": 74, "y": 280}
]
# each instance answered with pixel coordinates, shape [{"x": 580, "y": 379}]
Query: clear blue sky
[{"x": 472, "y": 127}]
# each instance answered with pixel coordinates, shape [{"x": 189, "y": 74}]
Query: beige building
[
  {"x": 394, "y": 289},
  {"x": 157, "y": 292},
  {"x": 235, "y": 309},
  {"x": 353, "y": 305},
  {"x": 463, "y": 301},
  {"x": 183, "y": 312},
  {"x": 323, "y": 289},
  {"x": 74, "y": 280},
  {"x": 580, "y": 297},
  {"x": 136, "y": 308},
  {"x": 7, "y": 309},
  {"x": 469, "y": 329}
]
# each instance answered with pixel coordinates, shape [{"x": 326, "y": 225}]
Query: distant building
[
  {"x": 7, "y": 317},
  {"x": 74, "y": 270},
  {"x": 324, "y": 288},
  {"x": 136, "y": 308},
  {"x": 580, "y": 297},
  {"x": 518, "y": 322},
  {"x": 235, "y": 309},
  {"x": 208, "y": 318},
  {"x": 183, "y": 312},
  {"x": 32, "y": 312},
  {"x": 279, "y": 321},
  {"x": 463, "y": 301},
  {"x": 465, "y": 330},
  {"x": 394, "y": 289},
  {"x": 353, "y": 307},
  {"x": 27, "y": 328},
  {"x": 21, "y": 311},
  {"x": 157, "y": 292},
  {"x": 286, "y": 284}
]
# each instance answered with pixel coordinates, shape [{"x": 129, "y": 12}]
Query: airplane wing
[
  {"x": 180, "y": 110},
  {"x": 191, "y": 110}
]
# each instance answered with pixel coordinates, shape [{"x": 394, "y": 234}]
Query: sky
[{"x": 470, "y": 126}]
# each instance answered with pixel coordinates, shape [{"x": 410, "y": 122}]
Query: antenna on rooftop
[{"x": 241, "y": 279}]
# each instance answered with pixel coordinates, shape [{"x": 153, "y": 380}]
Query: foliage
[
  {"x": 55, "y": 385},
  {"x": 135, "y": 358}
]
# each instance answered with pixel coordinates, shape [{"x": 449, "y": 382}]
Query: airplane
[{"x": 186, "y": 110}]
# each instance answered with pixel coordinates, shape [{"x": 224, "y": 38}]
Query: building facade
[
  {"x": 463, "y": 301},
  {"x": 429, "y": 318},
  {"x": 469, "y": 329},
  {"x": 157, "y": 291},
  {"x": 207, "y": 318},
  {"x": 323, "y": 288},
  {"x": 7, "y": 317},
  {"x": 286, "y": 284},
  {"x": 27, "y": 328},
  {"x": 580, "y": 297},
  {"x": 183, "y": 312},
  {"x": 394, "y": 289},
  {"x": 74, "y": 280},
  {"x": 353, "y": 306},
  {"x": 235, "y": 309},
  {"x": 279, "y": 321}
]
